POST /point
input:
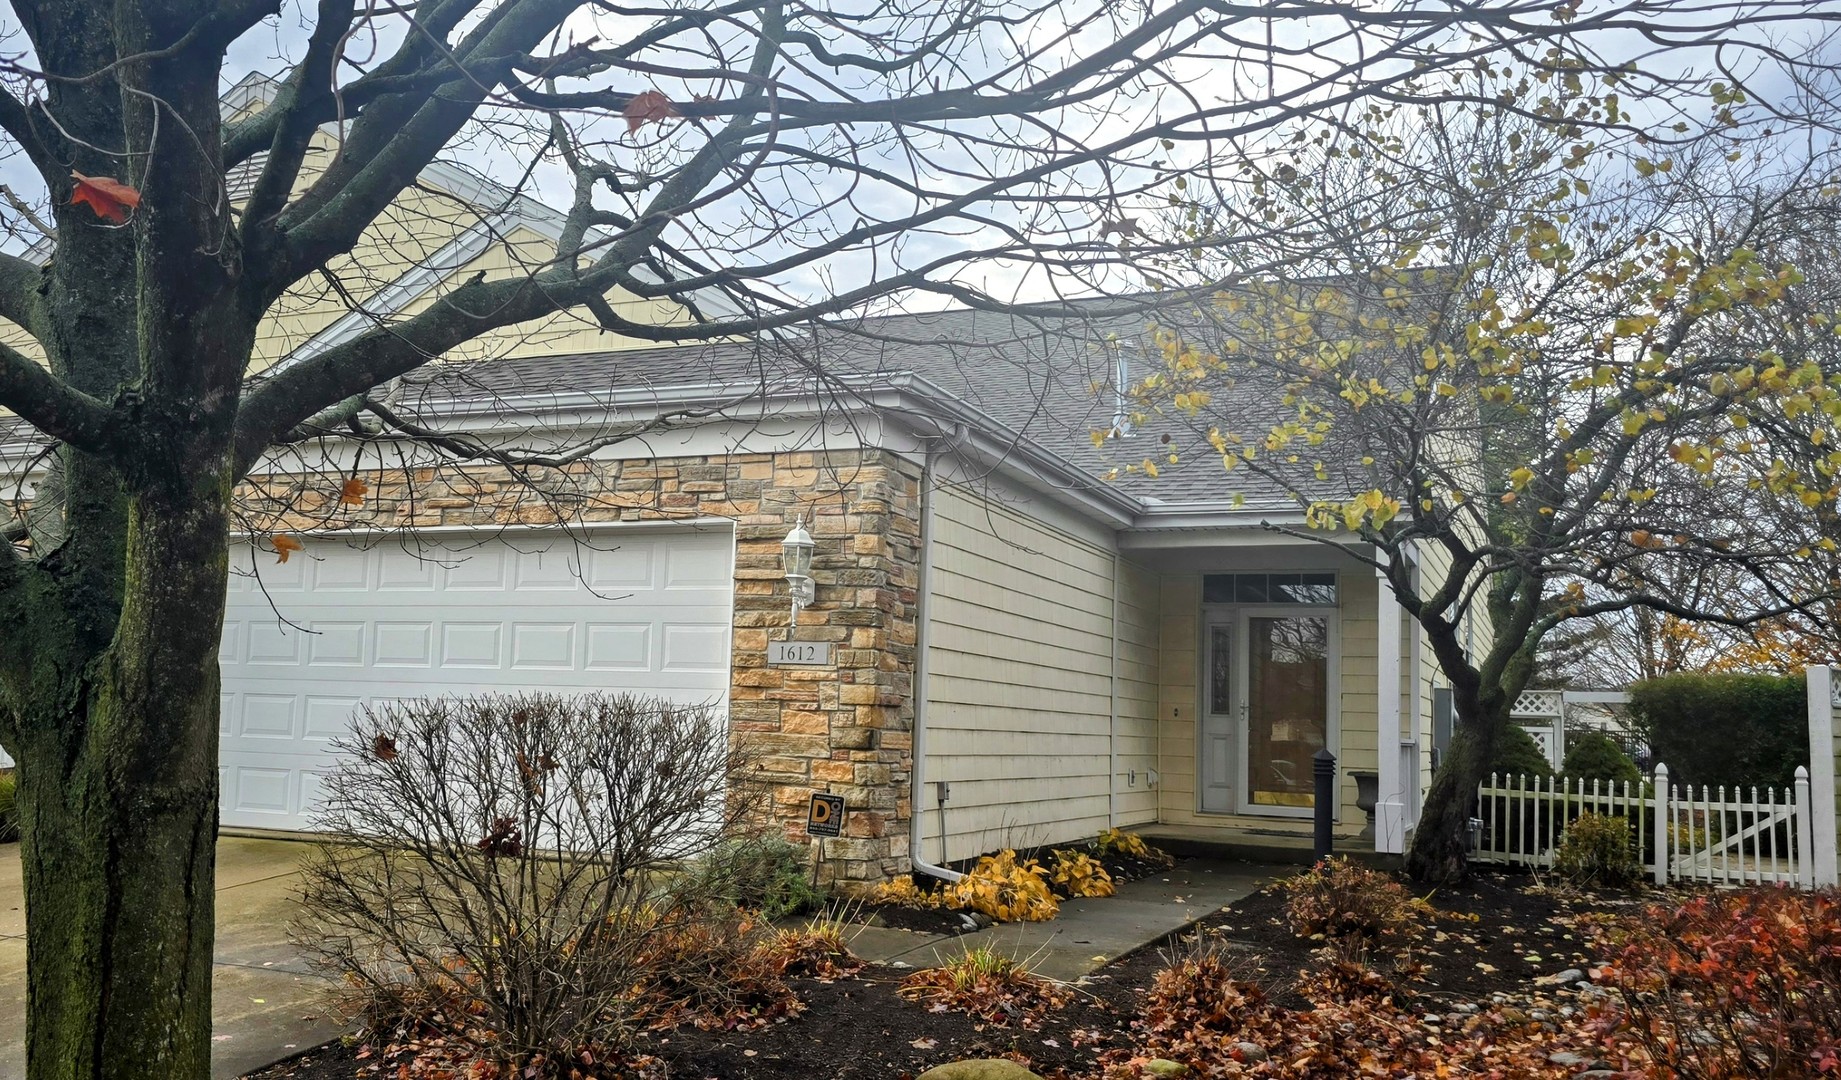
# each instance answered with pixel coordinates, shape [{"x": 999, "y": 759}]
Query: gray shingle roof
[{"x": 1049, "y": 381}]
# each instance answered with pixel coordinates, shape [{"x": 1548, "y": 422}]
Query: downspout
[
  {"x": 1112, "y": 732},
  {"x": 917, "y": 770},
  {"x": 1390, "y": 809},
  {"x": 1416, "y": 718}
]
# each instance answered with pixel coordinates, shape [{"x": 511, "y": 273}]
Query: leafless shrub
[{"x": 514, "y": 858}]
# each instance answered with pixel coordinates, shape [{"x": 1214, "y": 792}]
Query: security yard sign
[{"x": 825, "y": 817}]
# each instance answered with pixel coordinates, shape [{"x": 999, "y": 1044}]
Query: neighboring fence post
[
  {"x": 1822, "y": 833},
  {"x": 1806, "y": 872},
  {"x": 1662, "y": 817}
]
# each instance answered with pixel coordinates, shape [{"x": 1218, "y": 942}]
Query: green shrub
[
  {"x": 1597, "y": 849},
  {"x": 1518, "y": 754},
  {"x": 1593, "y": 755},
  {"x": 1724, "y": 729},
  {"x": 9, "y": 814},
  {"x": 764, "y": 874}
]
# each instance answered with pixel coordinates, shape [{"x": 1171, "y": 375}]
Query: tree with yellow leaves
[{"x": 1517, "y": 365}]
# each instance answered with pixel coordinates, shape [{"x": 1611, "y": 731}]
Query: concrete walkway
[
  {"x": 1087, "y": 934},
  {"x": 266, "y": 1002}
]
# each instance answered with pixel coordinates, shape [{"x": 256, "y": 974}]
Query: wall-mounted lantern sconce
[{"x": 796, "y": 557}]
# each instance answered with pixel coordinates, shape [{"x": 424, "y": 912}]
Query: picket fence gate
[{"x": 1750, "y": 836}]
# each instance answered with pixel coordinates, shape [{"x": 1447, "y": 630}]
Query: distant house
[{"x": 1012, "y": 651}]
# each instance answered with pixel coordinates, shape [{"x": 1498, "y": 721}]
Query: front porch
[{"x": 1267, "y": 650}]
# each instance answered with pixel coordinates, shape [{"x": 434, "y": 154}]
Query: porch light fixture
[{"x": 796, "y": 557}]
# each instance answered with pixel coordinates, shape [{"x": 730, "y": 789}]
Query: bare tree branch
[{"x": 54, "y": 407}]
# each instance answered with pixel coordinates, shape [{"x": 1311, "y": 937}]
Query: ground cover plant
[
  {"x": 1008, "y": 886},
  {"x": 986, "y": 985},
  {"x": 1508, "y": 977}
]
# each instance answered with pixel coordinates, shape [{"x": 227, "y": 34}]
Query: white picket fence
[{"x": 1753, "y": 836}]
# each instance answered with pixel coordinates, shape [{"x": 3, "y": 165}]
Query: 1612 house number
[{"x": 801, "y": 653}]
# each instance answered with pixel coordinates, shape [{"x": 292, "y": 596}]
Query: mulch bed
[{"x": 857, "y": 1028}]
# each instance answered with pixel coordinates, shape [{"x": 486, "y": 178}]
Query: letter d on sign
[{"x": 825, "y": 817}]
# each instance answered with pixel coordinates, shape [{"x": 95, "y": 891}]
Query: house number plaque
[{"x": 799, "y": 653}]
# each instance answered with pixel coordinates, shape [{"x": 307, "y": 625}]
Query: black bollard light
[{"x": 1323, "y": 769}]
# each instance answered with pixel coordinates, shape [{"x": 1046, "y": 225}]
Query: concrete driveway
[{"x": 266, "y": 1002}]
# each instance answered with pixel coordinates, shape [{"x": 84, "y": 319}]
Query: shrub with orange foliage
[{"x": 1730, "y": 985}]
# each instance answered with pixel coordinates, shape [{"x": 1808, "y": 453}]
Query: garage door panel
[
  {"x": 649, "y": 614},
  {"x": 620, "y": 647},
  {"x": 340, "y": 575},
  {"x": 269, "y": 642},
  {"x": 543, "y": 646},
  {"x": 335, "y": 644},
  {"x": 472, "y": 644},
  {"x": 482, "y": 571},
  {"x": 689, "y": 647},
  {"x": 327, "y": 717},
  {"x": 621, "y": 568},
  {"x": 402, "y": 571},
  {"x": 696, "y": 566}
]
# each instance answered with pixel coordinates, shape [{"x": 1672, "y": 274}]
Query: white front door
[
  {"x": 350, "y": 622},
  {"x": 1220, "y": 717}
]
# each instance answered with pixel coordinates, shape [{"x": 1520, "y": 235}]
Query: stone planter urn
[{"x": 1367, "y": 793}]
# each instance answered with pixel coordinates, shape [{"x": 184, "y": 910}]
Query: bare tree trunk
[
  {"x": 118, "y": 794},
  {"x": 1438, "y": 854}
]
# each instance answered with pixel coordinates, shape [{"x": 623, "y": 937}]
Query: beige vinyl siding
[
  {"x": 418, "y": 224},
  {"x": 1019, "y": 679},
  {"x": 1138, "y": 690},
  {"x": 1434, "y": 561},
  {"x": 1179, "y": 696}
]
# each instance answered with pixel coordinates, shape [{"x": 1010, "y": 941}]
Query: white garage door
[{"x": 336, "y": 626}]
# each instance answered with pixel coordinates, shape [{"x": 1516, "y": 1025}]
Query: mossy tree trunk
[
  {"x": 118, "y": 796},
  {"x": 1483, "y": 690},
  {"x": 108, "y": 665}
]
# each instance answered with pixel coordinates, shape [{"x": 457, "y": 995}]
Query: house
[
  {"x": 1008, "y": 650},
  {"x": 1011, "y": 651}
]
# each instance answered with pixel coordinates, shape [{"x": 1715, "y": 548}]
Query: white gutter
[{"x": 917, "y": 770}]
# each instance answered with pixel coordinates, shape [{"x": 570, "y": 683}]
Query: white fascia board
[
  {"x": 1213, "y": 514},
  {"x": 1247, "y": 535}
]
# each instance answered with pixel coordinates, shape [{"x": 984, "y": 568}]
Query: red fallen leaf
[
  {"x": 383, "y": 748},
  {"x": 111, "y": 199},
  {"x": 647, "y": 107},
  {"x": 284, "y": 546},
  {"x": 352, "y": 494}
]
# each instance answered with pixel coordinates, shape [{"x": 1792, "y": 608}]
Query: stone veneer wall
[{"x": 844, "y": 729}]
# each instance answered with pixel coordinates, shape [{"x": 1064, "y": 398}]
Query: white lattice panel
[{"x": 1538, "y": 703}]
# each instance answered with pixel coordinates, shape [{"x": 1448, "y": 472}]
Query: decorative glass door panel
[
  {"x": 1286, "y": 695},
  {"x": 1220, "y": 705}
]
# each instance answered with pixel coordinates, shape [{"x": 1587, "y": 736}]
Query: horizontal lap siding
[
  {"x": 1019, "y": 687},
  {"x": 1138, "y": 691}
]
